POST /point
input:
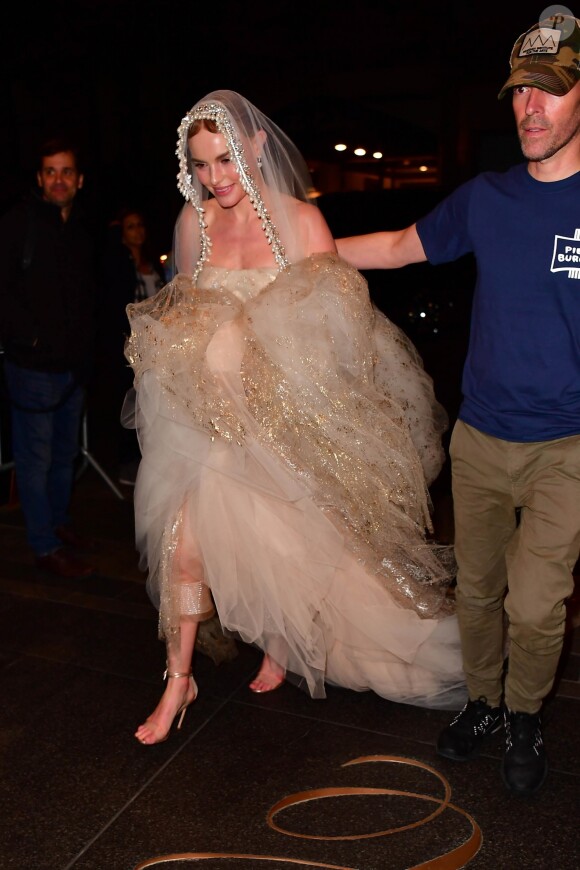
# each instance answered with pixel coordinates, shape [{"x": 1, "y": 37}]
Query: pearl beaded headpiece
[{"x": 216, "y": 112}]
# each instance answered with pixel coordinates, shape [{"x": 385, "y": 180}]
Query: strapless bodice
[{"x": 243, "y": 283}]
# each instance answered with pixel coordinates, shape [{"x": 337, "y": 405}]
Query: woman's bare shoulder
[{"x": 319, "y": 236}]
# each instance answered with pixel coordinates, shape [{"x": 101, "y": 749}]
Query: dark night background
[
  {"x": 120, "y": 74},
  {"x": 408, "y": 77}
]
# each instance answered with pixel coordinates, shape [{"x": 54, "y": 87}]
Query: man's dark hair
[{"x": 57, "y": 145}]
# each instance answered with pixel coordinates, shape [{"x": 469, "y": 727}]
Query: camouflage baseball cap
[{"x": 547, "y": 56}]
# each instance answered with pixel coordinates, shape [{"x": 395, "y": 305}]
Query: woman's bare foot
[
  {"x": 180, "y": 693},
  {"x": 270, "y": 676}
]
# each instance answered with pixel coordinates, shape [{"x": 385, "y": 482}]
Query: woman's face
[
  {"x": 133, "y": 230},
  {"x": 214, "y": 168}
]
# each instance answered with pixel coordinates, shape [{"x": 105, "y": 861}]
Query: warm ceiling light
[
  {"x": 360, "y": 152},
  {"x": 377, "y": 154},
  {"x": 340, "y": 147},
  {"x": 423, "y": 168}
]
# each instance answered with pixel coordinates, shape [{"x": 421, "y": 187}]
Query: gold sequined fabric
[{"x": 295, "y": 426}]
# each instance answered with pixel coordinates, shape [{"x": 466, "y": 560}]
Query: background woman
[
  {"x": 130, "y": 272},
  {"x": 288, "y": 431}
]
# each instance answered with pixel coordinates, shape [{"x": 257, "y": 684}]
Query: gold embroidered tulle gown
[{"x": 287, "y": 428}]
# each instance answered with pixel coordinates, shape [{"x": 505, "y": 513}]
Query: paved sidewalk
[{"x": 80, "y": 666}]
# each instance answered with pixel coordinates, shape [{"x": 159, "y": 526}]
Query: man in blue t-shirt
[{"x": 515, "y": 450}]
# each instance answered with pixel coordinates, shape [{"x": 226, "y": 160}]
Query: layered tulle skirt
[{"x": 287, "y": 431}]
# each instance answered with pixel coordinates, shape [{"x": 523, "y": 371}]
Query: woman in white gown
[{"x": 288, "y": 433}]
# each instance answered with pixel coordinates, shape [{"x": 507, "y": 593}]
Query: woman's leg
[
  {"x": 192, "y": 600},
  {"x": 181, "y": 687}
]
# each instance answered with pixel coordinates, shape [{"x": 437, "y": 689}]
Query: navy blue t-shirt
[{"x": 521, "y": 380}]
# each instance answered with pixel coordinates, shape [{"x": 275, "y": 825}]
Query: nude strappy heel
[
  {"x": 183, "y": 709},
  {"x": 153, "y": 727},
  {"x": 266, "y": 680}
]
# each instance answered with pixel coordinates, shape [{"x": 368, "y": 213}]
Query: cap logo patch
[{"x": 544, "y": 40}]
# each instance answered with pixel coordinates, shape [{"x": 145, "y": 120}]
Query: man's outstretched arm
[{"x": 385, "y": 250}]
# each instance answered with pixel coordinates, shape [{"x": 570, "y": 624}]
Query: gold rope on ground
[
  {"x": 319, "y": 793},
  {"x": 452, "y": 860},
  {"x": 204, "y": 856}
]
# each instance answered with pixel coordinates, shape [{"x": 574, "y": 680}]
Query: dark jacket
[{"x": 47, "y": 287}]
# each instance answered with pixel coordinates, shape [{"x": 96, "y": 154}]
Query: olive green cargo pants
[{"x": 517, "y": 538}]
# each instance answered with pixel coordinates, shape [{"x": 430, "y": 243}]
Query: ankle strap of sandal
[{"x": 167, "y": 675}]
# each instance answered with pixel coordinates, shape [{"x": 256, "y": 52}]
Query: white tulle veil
[{"x": 271, "y": 170}]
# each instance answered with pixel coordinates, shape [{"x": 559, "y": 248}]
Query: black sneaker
[
  {"x": 463, "y": 737},
  {"x": 525, "y": 766}
]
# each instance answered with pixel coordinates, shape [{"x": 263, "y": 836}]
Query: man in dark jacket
[{"x": 47, "y": 299}]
